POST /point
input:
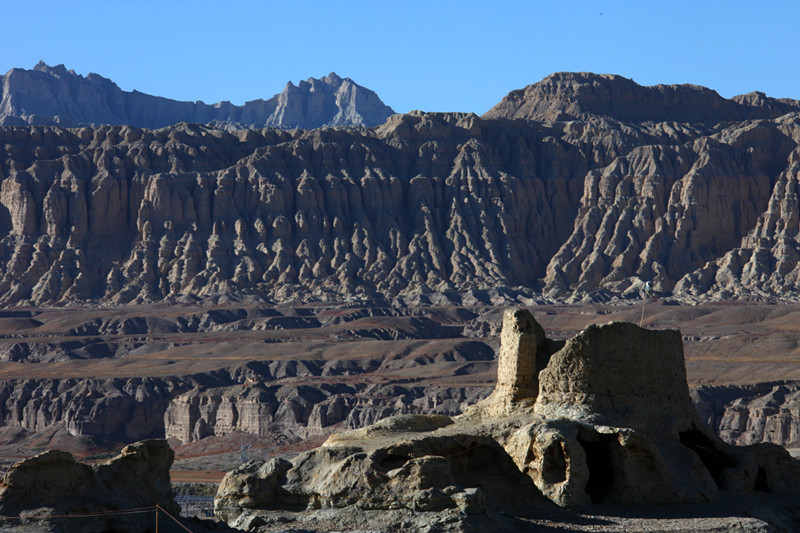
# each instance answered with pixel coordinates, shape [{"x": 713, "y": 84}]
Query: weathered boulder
[
  {"x": 402, "y": 466},
  {"x": 53, "y": 483}
]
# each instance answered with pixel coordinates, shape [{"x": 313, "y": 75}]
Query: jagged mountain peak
[
  {"x": 53, "y": 95},
  {"x": 41, "y": 66},
  {"x": 333, "y": 79}
]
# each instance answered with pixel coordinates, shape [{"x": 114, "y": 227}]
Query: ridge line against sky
[{"x": 435, "y": 56}]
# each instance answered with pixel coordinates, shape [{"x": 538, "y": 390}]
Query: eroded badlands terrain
[{"x": 215, "y": 376}]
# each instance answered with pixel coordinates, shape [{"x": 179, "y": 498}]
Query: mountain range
[
  {"x": 578, "y": 187},
  {"x": 56, "y": 96}
]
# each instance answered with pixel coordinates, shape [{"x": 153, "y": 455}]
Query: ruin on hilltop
[{"x": 604, "y": 417}]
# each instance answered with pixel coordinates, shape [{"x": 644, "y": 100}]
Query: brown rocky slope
[{"x": 425, "y": 202}]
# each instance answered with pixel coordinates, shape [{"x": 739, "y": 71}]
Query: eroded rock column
[{"x": 517, "y": 371}]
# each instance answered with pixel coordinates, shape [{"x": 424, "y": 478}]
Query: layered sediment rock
[
  {"x": 698, "y": 203},
  {"x": 112, "y": 410},
  {"x": 194, "y": 407},
  {"x": 767, "y": 412},
  {"x": 46, "y": 487},
  {"x": 611, "y": 422},
  {"x": 293, "y": 412},
  {"x": 56, "y": 96},
  {"x": 426, "y": 202},
  {"x": 194, "y": 211}
]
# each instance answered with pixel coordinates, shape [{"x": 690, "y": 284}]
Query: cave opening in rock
[
  {"x": 394, "y": 460},
  {"x": 487, "y": 466},
  {"x": 554, "y": 464},
  {"x": 761, "y": 480},
  {"x": 713, "y": 459},
  {"x": 601, "y": 472}
]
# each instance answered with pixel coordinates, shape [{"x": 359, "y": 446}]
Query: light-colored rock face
[
  {"x": 289, "y": 413},
  {"x": 612, "y": 423},
  {"x": 57, "y": 96},
  {"x": 517, "y": 375},
  {"x": 397, "y": 466},
  {"x": 619, "y": 374},
  {"x": 524, "y": 352},
  {"x": 53, "y": 483}
]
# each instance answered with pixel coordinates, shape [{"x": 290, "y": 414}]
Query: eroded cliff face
[
  {"x": 290, "y": 413},
  {"x": 440, "y": 202},
  {"x": 114, "y": 410},
  {"x": 242, "y": 399},
  {"x": 428, "y": 201},
  {"x": 661, "y": 213},
  {"x": 766, "y": 412}
]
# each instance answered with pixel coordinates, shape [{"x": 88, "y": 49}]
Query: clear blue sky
[{"x": 431, "y": 55}]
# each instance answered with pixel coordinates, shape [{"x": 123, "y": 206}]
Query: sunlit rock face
[
  {"x": 53, "y": 484},
  {"x": 610, "y": 420},
  {"x": 55, "y": 96},
  {"x": 578, "y": 200}
]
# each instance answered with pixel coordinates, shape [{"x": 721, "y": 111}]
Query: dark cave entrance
[
  {"x": 555, "y": 464},
  {"x": 601, "y": 472},
  {"x": 713, "y": 459},
  {"x": 761, "y": 480}
]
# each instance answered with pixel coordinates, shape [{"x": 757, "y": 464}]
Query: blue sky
[{"x": 431, "y": 55}]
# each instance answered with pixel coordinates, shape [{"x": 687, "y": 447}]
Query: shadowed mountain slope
[{"x": 57, "y": 96}]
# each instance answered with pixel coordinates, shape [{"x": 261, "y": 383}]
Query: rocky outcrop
[
  {"x": 56, "y": 96},
  {"x": 190, "y": 408},
  {"x": 580, "y": 95},
  {"x": 53, "y": 484},
  {"x": 369, "y": 477},
  {"x": 611, "y": 422},
  {"x": 112, "y": 410},
  {"x": 293, "y": 412},
  {"x": 524, "y": 353},
  {"x": 743, "y": 415}
]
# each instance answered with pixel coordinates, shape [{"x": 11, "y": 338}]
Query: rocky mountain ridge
[
  {"x": 427, "y": 202},
  {"x": 565, "y": 96},
  {"x": 56, "y": 96}
]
